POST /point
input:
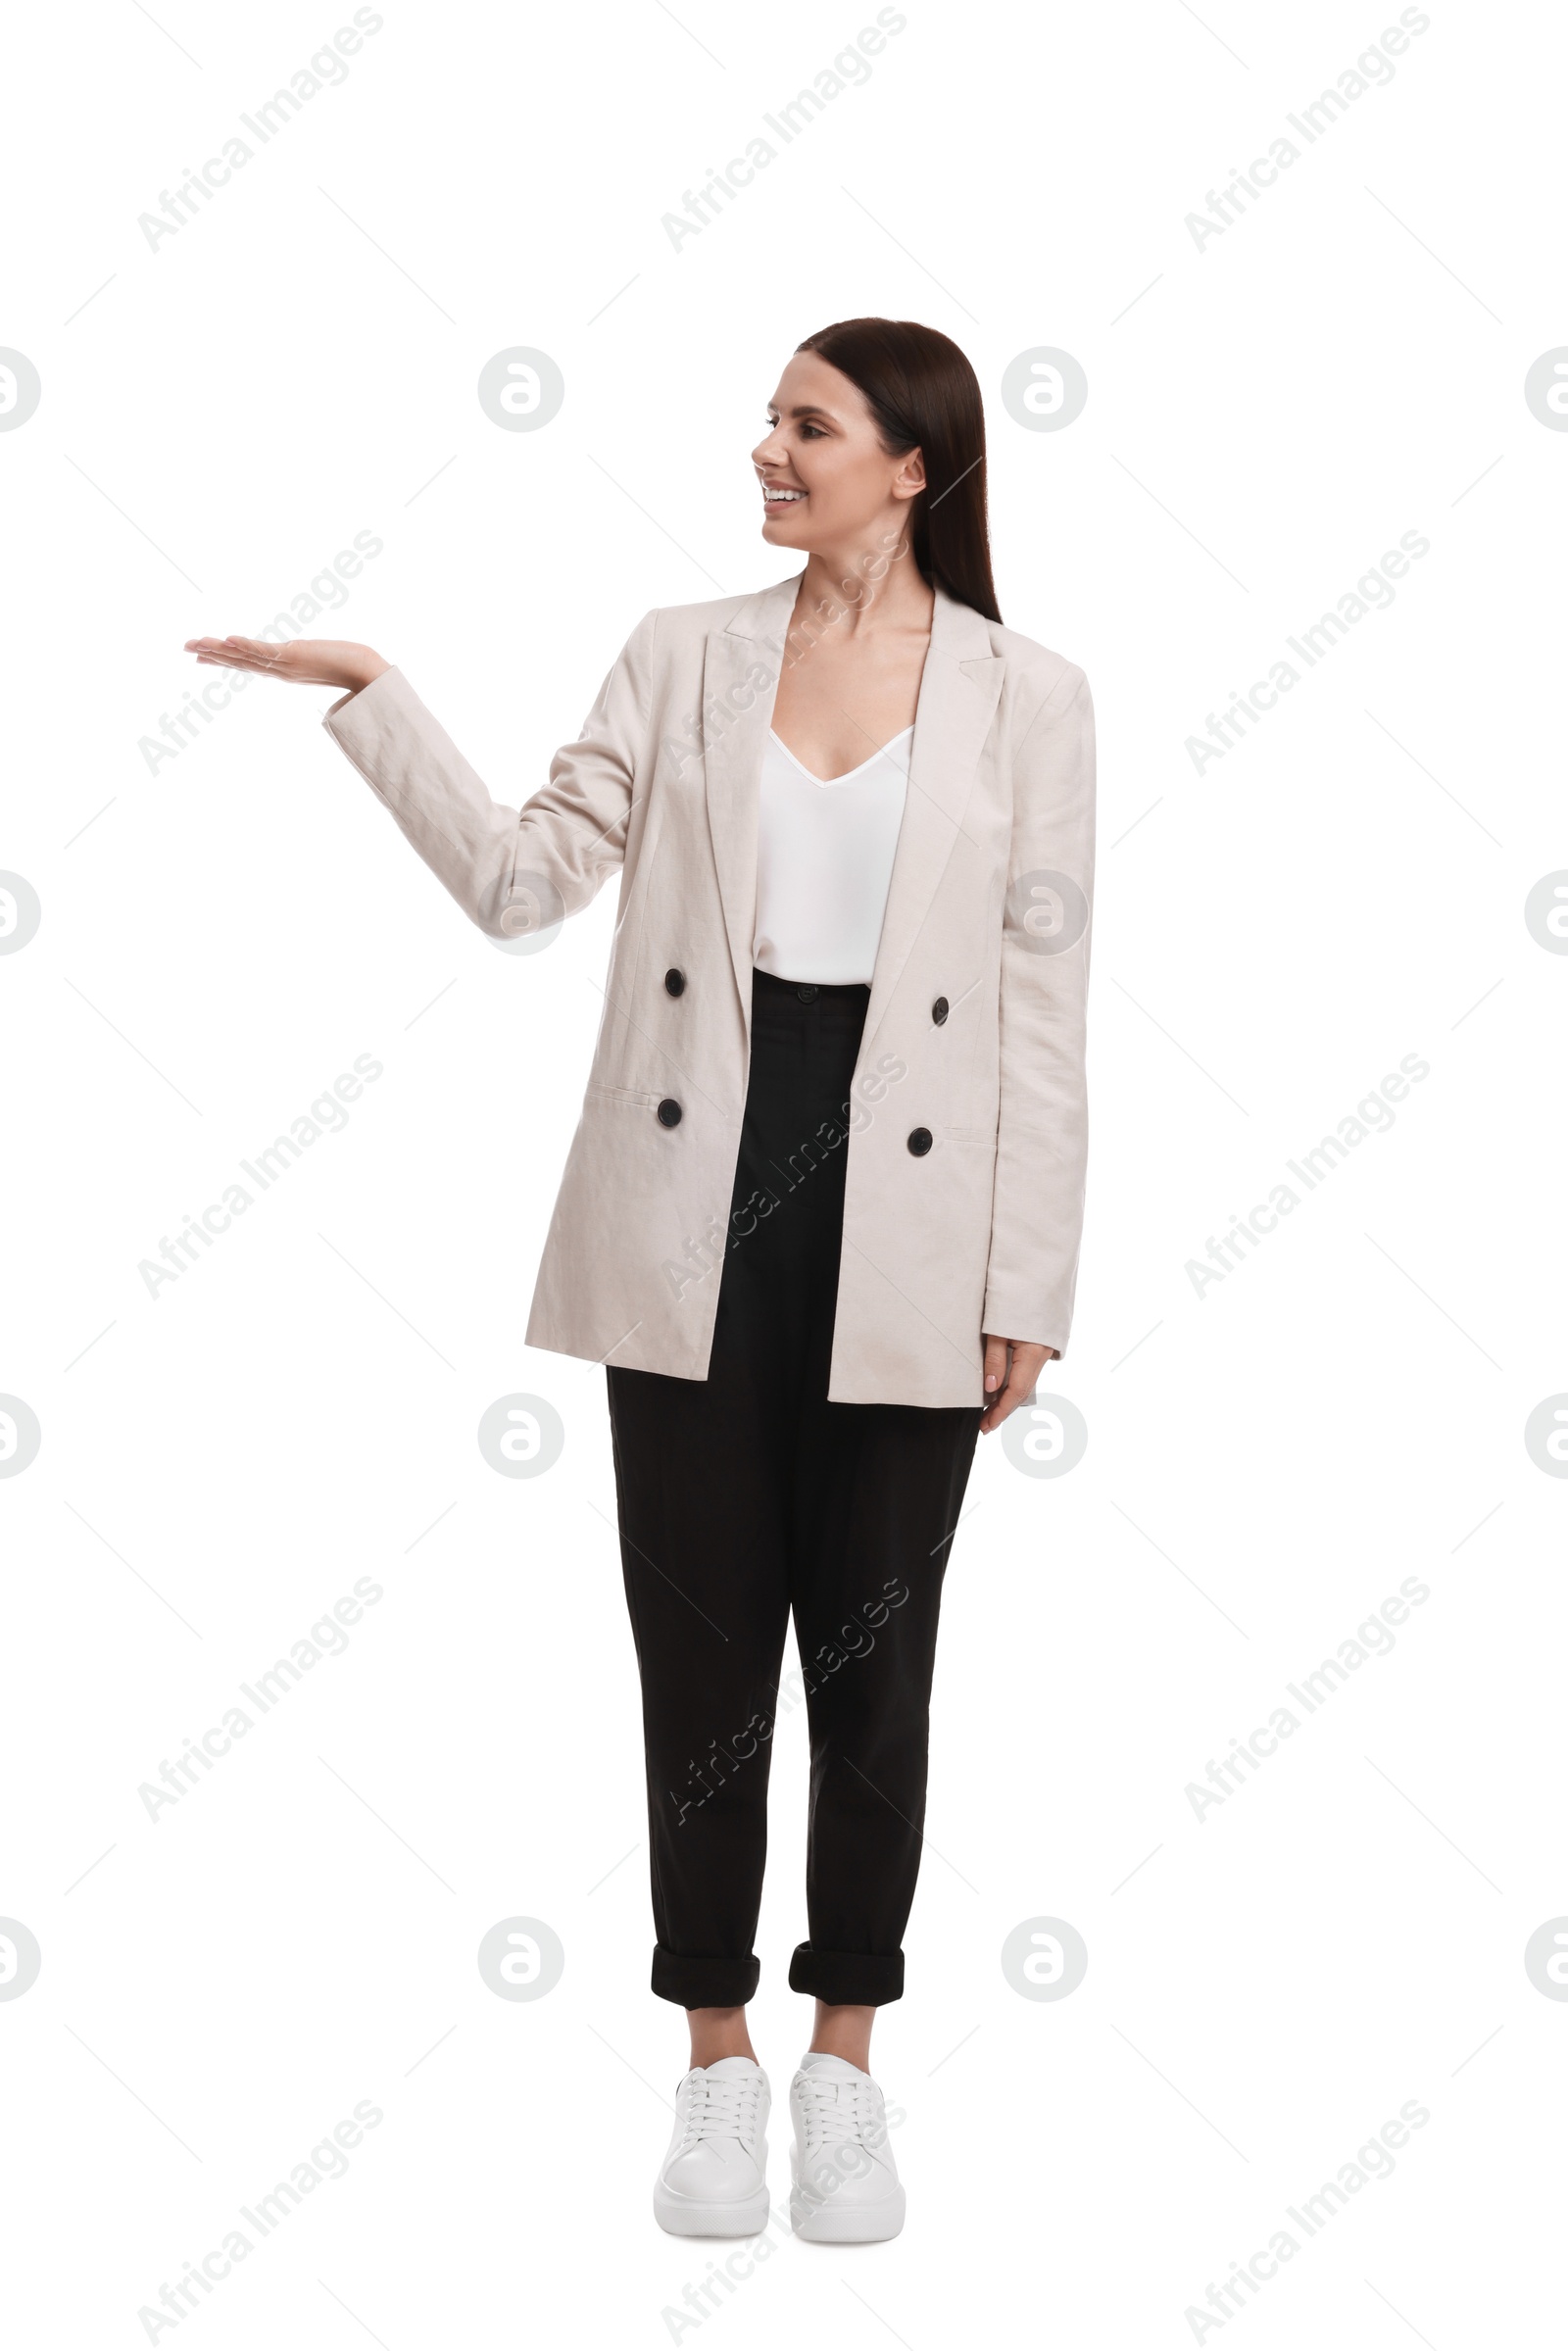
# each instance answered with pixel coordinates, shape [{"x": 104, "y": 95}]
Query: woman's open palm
[{"x": 307, "y": 661}]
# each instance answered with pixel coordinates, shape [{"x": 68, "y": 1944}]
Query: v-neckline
[{"x": 849, "y": 773}]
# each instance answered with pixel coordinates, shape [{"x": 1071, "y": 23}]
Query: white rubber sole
[
  {"x": 683, "y": 2215},
  {"x": 829, "y": 2222}
]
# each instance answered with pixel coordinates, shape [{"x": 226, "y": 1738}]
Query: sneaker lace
[
  {"x": 840, "y": 2113},
  {"x": 725, "y": 2108}
]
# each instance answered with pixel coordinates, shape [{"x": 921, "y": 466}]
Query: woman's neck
[{"x": 864, "y": 590}]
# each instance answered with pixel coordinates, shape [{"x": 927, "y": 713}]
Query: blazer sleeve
[
  {"x": 1042, "y": 1128},
  {"x": 510, "y": 870}
]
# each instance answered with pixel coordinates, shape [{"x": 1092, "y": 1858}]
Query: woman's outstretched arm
[{"x": 512, "y": 871}]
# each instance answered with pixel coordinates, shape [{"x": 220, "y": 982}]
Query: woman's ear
[{"x": 909, "y": 480}]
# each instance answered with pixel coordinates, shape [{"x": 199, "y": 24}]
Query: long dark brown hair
[{"x": 924, "y": 394}]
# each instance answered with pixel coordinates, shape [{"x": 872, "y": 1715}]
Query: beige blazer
[{"x": 965, "y": 1127}]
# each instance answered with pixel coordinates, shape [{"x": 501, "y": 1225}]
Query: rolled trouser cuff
[
  {"x": 848, "y": 1978},
  {"x": 698, "y": 1979}
]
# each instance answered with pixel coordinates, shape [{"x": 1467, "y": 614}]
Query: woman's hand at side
[
  {"x": 1011, "y": 1368},
  {"x": 307, "y": 661}
]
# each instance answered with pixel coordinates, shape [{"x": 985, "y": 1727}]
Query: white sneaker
[
  {"x": 844, "y": 2181},
  {"x": 713, "y": 2181}
]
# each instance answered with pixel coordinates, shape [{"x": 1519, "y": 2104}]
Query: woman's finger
[
  {"x": 224, "y": 649},
  {"x": 228, "y": 657}
]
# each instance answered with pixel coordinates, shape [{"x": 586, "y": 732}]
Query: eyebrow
[{"x": 808, "y": 410}]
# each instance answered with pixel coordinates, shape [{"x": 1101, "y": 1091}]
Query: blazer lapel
[
  {"x": 956, "y": 702},
  {"x": 736, "y": 716},
  {"x": 952, "y": 714}
]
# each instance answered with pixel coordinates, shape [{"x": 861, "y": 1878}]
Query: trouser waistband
[{"x": 769, "y": 988}]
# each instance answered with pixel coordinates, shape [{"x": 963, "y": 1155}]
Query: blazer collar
[{"x": 959, "y": 687}]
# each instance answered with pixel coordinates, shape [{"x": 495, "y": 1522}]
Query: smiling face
[{"x": 827, "y": 482}]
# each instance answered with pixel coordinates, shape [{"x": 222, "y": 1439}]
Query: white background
[{"x": 1266, "y": 1462}]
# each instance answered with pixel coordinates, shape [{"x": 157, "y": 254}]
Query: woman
[{"x": 821, "y": 1217}]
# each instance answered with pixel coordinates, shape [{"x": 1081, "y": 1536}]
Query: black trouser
[{"x": 748, "y": 1495}]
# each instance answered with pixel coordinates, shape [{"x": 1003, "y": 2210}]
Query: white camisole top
[{"x": 824, "y": 859}]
